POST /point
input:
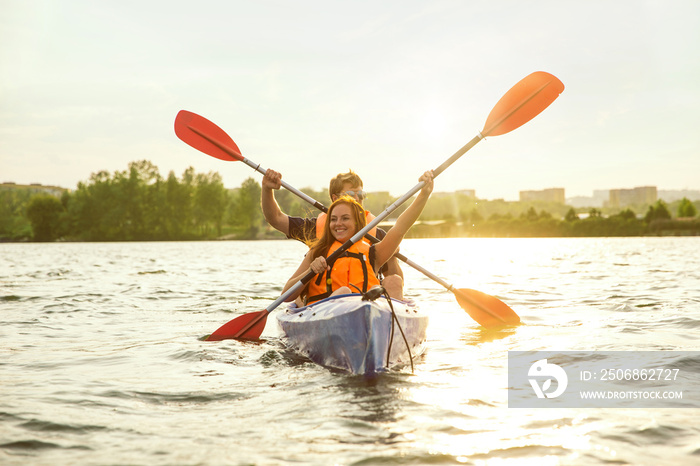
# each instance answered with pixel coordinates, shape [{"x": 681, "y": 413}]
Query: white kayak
[{"x": 347, "y": 333}]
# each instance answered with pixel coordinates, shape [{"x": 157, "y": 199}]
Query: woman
[{"x": 354, "y": 271}]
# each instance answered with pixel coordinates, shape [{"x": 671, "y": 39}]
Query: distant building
[
  {"x": 670, "y": 195},
  {"x": 582, "y": 201},
  {"x": 601, "y": 196},
  {"x": 636, "y": 196},
  {"x": 599, "y": 199},
  {"x": 467, "y": 192},
  {"x": 35, "y": 188},
  {"x": 548, "y": 195},
  {"x": 463, "y": 192}
]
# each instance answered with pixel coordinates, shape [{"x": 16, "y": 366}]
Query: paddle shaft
[
  {"x": 358, "y": 236},
  {"x": 302, "y": 195},
  {"x": 458, "y": 154},
  {"x": 345, "y": 246},
  {"x": 304, "y": 280},
  {"x": 323, "y": 208},
  {"x": 257, "y": 167},
  {"x": 373, "y": 239},
  {"x": 519, "y": 105}
]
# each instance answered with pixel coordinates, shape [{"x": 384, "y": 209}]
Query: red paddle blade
[
  {"x": 205, "y": 136},
  {"x": 246, "y": 327},
  {"x": 522, "y": 103},
  {"x": 487, "y": 310}
]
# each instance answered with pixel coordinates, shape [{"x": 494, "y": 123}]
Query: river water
[{"x": 102, "y": 360}]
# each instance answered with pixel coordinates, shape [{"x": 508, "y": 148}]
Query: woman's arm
[
  {"x": 317, "y": 266},
  {"x": 388, "y": 246}
]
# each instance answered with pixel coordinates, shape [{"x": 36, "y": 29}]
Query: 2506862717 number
[{"x": 638, "y": 374}]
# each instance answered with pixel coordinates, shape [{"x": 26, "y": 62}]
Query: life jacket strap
[{"x": 329, "y": 281}]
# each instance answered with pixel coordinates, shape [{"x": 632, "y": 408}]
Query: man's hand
[{"x": 272, "y": 179}]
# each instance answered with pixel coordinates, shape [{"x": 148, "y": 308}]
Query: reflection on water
[
  {"x": 484, "y": 335},
  {"x": 102, "y": 362}
]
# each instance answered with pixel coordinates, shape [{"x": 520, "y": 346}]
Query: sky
[{"x": 386, "y": 88}]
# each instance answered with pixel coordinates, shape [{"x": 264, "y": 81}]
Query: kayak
[{"x": 344, "y": 332}]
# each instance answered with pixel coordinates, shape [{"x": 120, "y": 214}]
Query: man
[{"x": 304, "y": 229}]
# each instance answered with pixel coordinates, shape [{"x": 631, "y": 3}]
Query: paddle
[
  {"x": 205, "y": 136},
  {"x": 250, "y": 326},
  {"x": 519, "y": 105}
]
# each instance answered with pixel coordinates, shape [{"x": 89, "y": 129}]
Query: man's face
[{"x": 353, "y": 191}]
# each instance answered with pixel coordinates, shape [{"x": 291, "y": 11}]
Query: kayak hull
[{"x": 346, "y": 333}]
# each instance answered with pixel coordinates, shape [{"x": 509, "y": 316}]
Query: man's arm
[
  {"x": 392, "y": 266},
  {"x": 271, "y": 210}
]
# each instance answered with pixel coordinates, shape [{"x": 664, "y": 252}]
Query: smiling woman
[
  {"x": 354, "y": 270},
  {"x": 345, "y": 220}
]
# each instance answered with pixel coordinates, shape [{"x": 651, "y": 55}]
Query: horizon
[
  {"x": 388, "y": 89},
  {"x": 324, "y": 189}
]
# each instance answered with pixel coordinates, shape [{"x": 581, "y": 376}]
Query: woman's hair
[{"x": 320, "y": 246}]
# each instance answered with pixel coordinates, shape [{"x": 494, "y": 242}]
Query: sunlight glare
[
  {"x": 433, "y": 124},
  {"x": 479, "y": 262}
]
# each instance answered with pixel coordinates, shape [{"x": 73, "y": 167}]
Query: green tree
[
  {"x": 137, "y": 204},
  {"x": 178, "y": 205},
  {"x": 530, "y": 215},
  {"x": 686, "y": 209},
  {"x": 210, "y": 201},
  {"x": 44, "y": 213},
  {"x": 376, "y": 202},
  {"x": 627, "y": 214},
  {"x": 92, "y": 209},
  {"x": 571, "y": 215},
  {"x": 657, "y": 212},
  {"x": 13, "y": 220},
  {"x": 624, "y": 223},
  {"x": 128, "y": 205},
  {"x": 475, "y": 217},
  {"x": 245, "y": 210},
  {"x": 138, "y": 190}
]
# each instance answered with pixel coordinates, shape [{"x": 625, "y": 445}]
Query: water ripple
[{"x": 101, "y": 362}]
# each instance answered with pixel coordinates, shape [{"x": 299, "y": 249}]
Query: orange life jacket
[
  {"x": 351, "y": 268},
  {"x": 321, "y": 221}
]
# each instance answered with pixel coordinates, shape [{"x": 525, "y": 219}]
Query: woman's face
[{"x": 342, "y": 223}]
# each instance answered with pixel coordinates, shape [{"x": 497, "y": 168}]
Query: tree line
[
  {"x": 138, "y": 204},
  {"x": 657, "y": 222}
]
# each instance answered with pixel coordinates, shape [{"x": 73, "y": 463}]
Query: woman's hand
[
  {"x": 319, "y": 265},
  {"x": 427, "y": 177}
]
